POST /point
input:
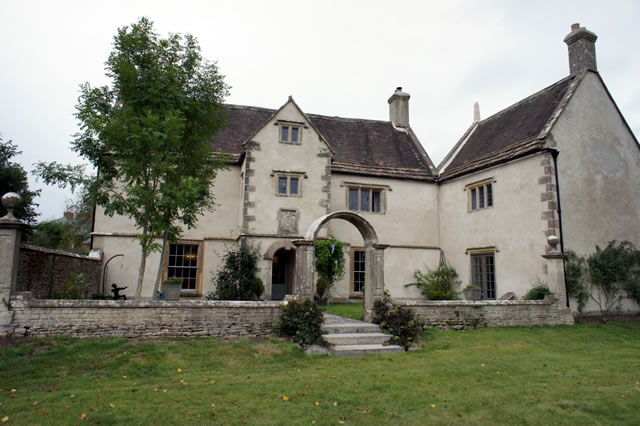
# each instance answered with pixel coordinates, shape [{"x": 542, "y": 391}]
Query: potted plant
[
  {"x": 172, "y": 287},
  {"x": 472, "y": 292}
]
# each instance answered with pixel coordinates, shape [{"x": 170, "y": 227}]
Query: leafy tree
[
  {"x": 13, "y": 178},
  {"x": 237, "y": 279},
  {"x": 149, "y": 135},
  {"x": 330, "y": 261}
]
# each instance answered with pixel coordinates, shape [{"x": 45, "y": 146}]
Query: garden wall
[
  {"x": 45, "y": 272},
  {"x": 146, "y": 318},
  {"x": 462, "y": 314}
]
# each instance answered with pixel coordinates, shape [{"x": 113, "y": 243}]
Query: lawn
[
  {"x": 581, "y": 374},
  {"x": 349, "y": 310}
]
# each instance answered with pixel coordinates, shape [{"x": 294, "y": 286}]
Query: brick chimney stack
[
  {"x": 582, "y": 49},
  {"x": 399, "y": 108}
]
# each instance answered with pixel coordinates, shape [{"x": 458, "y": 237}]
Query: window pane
[
  {"x": 183, "y": 263},
  {"x": 377, "y": 203},
  {"x": 294, "y": 134},
  {"x": 473, "y": 199},
  {"x": 353, "y": 199},
  {"x": 358, "y": 271},
  {"x": 481, "y": 193},
  {"x": 285, "y": 134},
  {"x": 293, "y": 182},
  {"x": 282, "y": 185},
  {"x": 365, "y": 200},
  {"x": 489, "y": 195}
]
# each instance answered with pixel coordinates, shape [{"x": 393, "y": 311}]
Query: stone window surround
[
  {"x": 288, "y": 174},
  {"x": 480, "y": 184},
  {"x": 165, "y": 266},
  {"x": 290, "y": 125},
  {"x": 357, "y": 185}
]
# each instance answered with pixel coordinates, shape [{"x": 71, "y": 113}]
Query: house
[{"x": 558, "y": 170}]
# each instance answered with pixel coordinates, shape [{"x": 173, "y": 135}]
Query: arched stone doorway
[
  {"x": 374, "y": 258},
  {"x": 280, "y": 273}
]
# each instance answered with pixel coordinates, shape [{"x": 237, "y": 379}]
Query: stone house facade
[{"x": 558, "y": 170}]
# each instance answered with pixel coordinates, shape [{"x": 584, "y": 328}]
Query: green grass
[
  {"x": 348, "y": 310},
  {"x": 582, "y": 374}
]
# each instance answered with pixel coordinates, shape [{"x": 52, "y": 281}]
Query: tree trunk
[
  {"x": 143, "y": 261},
  {"x": 156, "y": 287}
]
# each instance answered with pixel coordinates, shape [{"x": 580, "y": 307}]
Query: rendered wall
[
  {"x": 516, "y": 225},
  {"x": 408, "y": 224},
  {"x": 599, "y": 173}
]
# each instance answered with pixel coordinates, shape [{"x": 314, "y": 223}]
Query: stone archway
[
  {"x": 374, "y": 258},
  {"x": 269, "y": 257}
]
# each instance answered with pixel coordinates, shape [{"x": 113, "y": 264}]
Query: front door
[{"x": 282, "y": 274}]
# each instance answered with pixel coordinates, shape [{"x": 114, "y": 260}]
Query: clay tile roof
[
  {"x": 515, "y": 124},
  {"x": 373, "y": 145}
]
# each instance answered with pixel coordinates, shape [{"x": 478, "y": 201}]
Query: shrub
[
  {"x": 400, "y": 322},
  {"x": 538, "y": 291},
  {"x": 437, "y": 284},
  {"x": 301, "y": 321},
  {"x": 76, "y": 288},
  {"x": 614, "y": 272},
  {"x": 575, "y": 268},
  {"x": 236, "y": 280}
]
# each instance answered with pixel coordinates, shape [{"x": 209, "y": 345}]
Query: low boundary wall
[
  {"x": 146, "y": 318},
  {"x": 462, "y": 314}
]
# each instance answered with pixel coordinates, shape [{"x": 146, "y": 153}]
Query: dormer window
[{"x": 290, "y": 133}]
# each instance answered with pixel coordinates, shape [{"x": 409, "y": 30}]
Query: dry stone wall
[
  {"x": 146, "y": 318},
  {"x": 462, "y": 314}
]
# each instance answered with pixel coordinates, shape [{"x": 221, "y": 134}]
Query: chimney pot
[{"x": 575, "y": 26}]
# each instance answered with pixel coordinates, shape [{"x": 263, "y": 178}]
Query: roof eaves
[
  {"x": 398, "y": 172},
  {"x": 510, "y": 153}
]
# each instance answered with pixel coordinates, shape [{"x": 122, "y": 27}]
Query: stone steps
[{"x": 348, "y": 337}]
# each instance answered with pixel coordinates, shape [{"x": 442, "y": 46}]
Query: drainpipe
[{"x": 554, "y": 155}]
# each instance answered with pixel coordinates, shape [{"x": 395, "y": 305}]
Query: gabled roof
[
  {"x": 360, "y": 146},
  {"x": 514, "y": 130}
]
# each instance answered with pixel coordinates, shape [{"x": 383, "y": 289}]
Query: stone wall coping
[
  {"x": 434, "y": 303},
  {"x": 30, "y": 302},
  {"x": 58, "y": 252}
]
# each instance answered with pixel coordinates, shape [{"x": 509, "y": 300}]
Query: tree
[
  {"x": 13, "y": 178},
  {"x": 149, "y": 135},
  {"x": 330, "y": 260},
  {"x": 238, "y": 277}
]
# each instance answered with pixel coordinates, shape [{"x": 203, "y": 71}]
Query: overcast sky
[{"x": 340, "y": 58}]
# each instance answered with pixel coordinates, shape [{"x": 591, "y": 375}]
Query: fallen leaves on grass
[
  {"x": 285, "y": 398},
  {"x": 112, "y": 405},
  {"x": 5, "y": 419}
]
